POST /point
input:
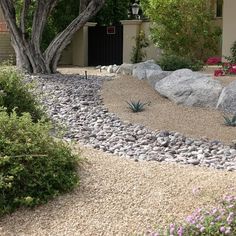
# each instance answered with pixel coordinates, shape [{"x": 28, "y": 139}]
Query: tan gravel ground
[
  {"x": 163, "y": 114},
  {"x": 122, "y": 197}
]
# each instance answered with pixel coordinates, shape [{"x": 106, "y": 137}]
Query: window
[{"x": 219, "y": 8}]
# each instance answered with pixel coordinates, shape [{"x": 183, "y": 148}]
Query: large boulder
[
  {"x": 190, "y": 88},
  {"x": 156, "y": 75},
  {"x": 140, "y": 69},
  {"x": 125, "y": 69},
  {"x": 227, "y": 99}
]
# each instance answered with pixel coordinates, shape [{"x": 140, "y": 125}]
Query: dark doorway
[{"x": 105, "y": 45}]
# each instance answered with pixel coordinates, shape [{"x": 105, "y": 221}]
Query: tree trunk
[{"x": 29, "y": 56}]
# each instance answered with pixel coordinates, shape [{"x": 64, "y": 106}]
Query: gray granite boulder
[
  {"x": 125, "y": 69},
  {"x": 227, "y": 99},
  {"x": 156, "y": 75},
  {"x": 190, "y": 88},
  {"x": 140, "y": 69}
]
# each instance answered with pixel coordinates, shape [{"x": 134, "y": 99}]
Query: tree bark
[{"x": 29, "y": 56}]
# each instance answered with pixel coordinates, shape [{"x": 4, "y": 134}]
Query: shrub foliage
[
  {"x": 15, "y": 93},
  {"x": 173, "y": 62},
  {"x": 183, "y": 27},
  {"x": 33, "y": 166}
]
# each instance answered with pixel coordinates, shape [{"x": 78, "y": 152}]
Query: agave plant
[
  {"x": 230, "y": 121},
  {"x": 137, "y": 106}
]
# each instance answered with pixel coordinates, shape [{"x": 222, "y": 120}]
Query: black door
[{"x": 105, "y": 45}]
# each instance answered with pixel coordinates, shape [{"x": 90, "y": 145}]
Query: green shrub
[
  {"x": 173, "y": 62},
  {"x": 183, "y": 27},
  {"x": 34, "y": 167},
  {"x": 15, "y": 93}
]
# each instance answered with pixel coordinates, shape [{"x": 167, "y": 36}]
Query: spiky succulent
[
  {"x": 136, "y": 106},
  {"x": 230, "y": 121}
]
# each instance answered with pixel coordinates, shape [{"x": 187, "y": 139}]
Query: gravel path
[
  {"x": 118, "y": 196},
  {"x": 76, "y": 102}
]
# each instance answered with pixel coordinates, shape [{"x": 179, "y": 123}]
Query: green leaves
[
  {"x": 183, "y": 28},
  {"x": 230, "y": 121},
  {"x": 15, "y": 93},
  {"x": 33, "y": 166},
  {"x": 136, "y": 106}
]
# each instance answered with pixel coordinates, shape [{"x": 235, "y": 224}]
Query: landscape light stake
[{"x": 86, "y": 74}]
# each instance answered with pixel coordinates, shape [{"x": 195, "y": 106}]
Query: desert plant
[
  {"x": 136, "y": 106},
  {"x": 34, "y": 167},
  {"x": 230, "y": 120},
  {"x": 141, "y": 42},
  {"x": 174, "y": 62},
  {"x": 16, "y": 93}
]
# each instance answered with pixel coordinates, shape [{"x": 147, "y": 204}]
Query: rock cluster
[
  {"x": 75, "y": 102},
  {"x": 184, "y": 86}
]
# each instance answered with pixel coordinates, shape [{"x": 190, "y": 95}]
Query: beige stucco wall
[
  {"x": 229, "y": 28},
  {"x": 130, "y": 32}
]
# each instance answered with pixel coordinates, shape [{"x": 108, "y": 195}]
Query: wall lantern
[{"x": 135, "y": 9}]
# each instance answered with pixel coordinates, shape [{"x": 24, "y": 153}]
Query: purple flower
[
  {"x": 222, "y": 229},
  {"x": 180, "y": 231},
  {"x": 172, "y": 228}
]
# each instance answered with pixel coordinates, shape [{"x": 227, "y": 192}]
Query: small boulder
[
  {"x": 125, "y": 69},
  {"x": 156, "y": 75},
  {"x": 110, "y": 69},
  {"x": 227, "y": 99},
  {"x": 140, "y": 69},
  {"x": 190, "y": 88}
]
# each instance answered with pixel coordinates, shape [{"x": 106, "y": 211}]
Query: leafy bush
[
  {"x": 33, "y": 166},
  {"x": 173, "y": 62},
  {"x": 15, "y": 93},
  {"x": 183, "y": 27},
  {"x": 215, "y": 222}
]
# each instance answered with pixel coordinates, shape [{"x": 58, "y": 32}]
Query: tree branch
[
  {"x": 64, "y": 38},
  {"x": 23, "y": 16},
  {"x": 42, "y": 11}
]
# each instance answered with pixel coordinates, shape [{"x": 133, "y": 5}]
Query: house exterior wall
[
  {"x": 6, "y": 50},
  {"x": 131, "y": 31},
  {"x": 229, "y": 29}
]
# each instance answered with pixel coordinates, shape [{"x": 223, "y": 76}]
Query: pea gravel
[{"x": 118, "y": 196}]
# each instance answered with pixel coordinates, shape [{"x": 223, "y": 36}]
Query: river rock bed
[{"x": 75, "y": 102}]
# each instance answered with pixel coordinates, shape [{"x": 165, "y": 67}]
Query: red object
[
  {"x": 232, "y": 70},
  {"x": 213, "y": 61},
  {"x": 218, "y": 72},
  {"x": 111, "y": 30},
  {"x": 3, "y": 26}
]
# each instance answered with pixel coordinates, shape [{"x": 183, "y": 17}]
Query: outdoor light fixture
[{"x": 135, "y": 9}]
